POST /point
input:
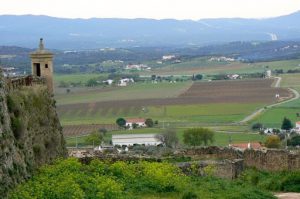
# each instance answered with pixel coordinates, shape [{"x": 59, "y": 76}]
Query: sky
[{"x": 156, "y": 9}]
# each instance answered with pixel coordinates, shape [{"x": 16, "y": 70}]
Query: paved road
[
  {"x": 259, "y": 111},
  {"x": 288, "y": 195}
]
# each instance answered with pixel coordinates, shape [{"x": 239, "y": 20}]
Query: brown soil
[{"x": 237, "y": 91}]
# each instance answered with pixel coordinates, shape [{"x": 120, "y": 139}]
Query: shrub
[
  {"x": 257, "y": 126},
  {"x": 17, "y": 127},
  {"x": 149, "y": 122},
  {"x": 273, "y": 142},
  {"x": 189, "y": 195}
]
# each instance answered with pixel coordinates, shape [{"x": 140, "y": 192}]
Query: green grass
[
  {"x": 199, "y": 113},
  {"x": 203, "y": 66},
  {"x": 221, "y": 138},
  {"x": 75, "y": 78},
  {"x": 273, "y": 117},
  {"x": 134, "y": 91}
]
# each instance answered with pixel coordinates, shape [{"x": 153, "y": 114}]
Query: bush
[
  {"x": 149, "y": 122},
  {"x": 189, "y": 195},
  {"x": 273, "y": 141},
  {"x": 17, "y": 127},
  {"x": 257, "y": 126}
]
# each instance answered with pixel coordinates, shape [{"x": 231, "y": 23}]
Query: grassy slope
[
  {"x": 274, "y": 116},
  {"x": 200, "y": 113},
  {"x": 134, "y": 91}
]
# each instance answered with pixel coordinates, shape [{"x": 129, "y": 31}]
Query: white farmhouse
[
  {"x": 139, "y": 121},
  {"x": 297, "y": 127},
  {"x": 131, "y": 139},
  {"x": 125, "y": 81}
]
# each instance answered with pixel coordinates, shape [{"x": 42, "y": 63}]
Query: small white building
[
  {"x": 168, "y": 57},
  {"x": 125, "y": 81},
  {"x": 268, "y": 74},
  {"x": 139, "y": 121},
  {"x": 297, "y": 127},
  {"x": 131, "y": 139},
  {"x": 108, "y": 82}
]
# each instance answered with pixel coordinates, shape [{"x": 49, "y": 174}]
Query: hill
[{"x": 94, "y": 33}]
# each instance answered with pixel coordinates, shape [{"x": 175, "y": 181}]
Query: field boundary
[{"x": 261, "y": 110}]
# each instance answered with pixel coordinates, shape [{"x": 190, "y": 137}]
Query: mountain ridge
[{"x": 63, "y": 33}]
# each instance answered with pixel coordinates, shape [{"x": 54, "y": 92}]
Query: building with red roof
[{"x": 140, "y": 122}]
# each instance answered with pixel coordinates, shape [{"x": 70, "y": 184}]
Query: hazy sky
[{"x": 158, "y": 9}]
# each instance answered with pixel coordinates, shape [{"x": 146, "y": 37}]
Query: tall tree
[
  {"x": 121, "y": 122},
  {"x": 198, "y": 136},
  {"x": 286, "y": 124},
  {"x": 169, "y": 138}
]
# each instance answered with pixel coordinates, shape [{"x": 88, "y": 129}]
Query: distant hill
[{"x": 61, "y": 33}]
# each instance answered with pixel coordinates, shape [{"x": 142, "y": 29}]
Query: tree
[
  {"x": 197, "y": 136},
  {"x": 198, "y": 77},
  {"x": 149, "y": 122},
  {"x": 94, "y": 138},
  {"x": 169, "y": 138},
  {"x": 294, "y": 141},
  {"x": 135, "y": 125},
  {"x": 286, "y": 124},
  {"x": 121, "y": 122},
  {"x": 272, "y": 141},
  {"x": 91, "y": 82},
  {"x": 257, "y": 126}
]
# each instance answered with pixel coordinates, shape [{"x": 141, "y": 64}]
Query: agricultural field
[
  {"x": 202, "y": 65},
  {"x": 274, "y": 116},
  {"x": 210, "y": 102},
  {"x": 221, "y": 138},
  {"x": 134, "y": 91}
]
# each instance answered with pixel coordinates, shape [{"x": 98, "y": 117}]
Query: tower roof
[{"x": 41, "y": 50}]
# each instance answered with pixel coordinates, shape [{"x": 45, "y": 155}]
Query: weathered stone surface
[{"x": 30, "y": 133}]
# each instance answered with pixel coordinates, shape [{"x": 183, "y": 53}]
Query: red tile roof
[
  {"x": 135, "y": 120},
  {"x": 253, "y": 145}
]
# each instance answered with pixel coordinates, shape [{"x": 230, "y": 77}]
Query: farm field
[
  {"x": 274, "y": 116},
  {"x": 221, "y": 138},
  {"x": 210, "y": 102},
  {"x": 134, "y": 91},
  {"x": 203, "y": 66}
]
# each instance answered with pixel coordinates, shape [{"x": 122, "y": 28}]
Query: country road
[{"x": 259, "y": 111}]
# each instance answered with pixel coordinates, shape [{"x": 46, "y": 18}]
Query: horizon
[
  {"x": 119, "y": 18},
  {"x": 155, "y": 9}
]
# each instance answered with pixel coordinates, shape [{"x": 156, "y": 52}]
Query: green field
[
  {"x": 75, "y": 78},
  {"x": 199, "y": 113},
  {"x": 221, "y": 138},
  {"x": 274, "y": 116},
  {"x": 134, "y": 91},
  {"x": 203, "y": 66}
]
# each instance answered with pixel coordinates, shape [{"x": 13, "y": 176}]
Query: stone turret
[{"x": 42, "y": 65}]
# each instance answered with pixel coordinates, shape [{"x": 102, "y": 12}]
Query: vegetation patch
[{"x": 127, "y": 180}]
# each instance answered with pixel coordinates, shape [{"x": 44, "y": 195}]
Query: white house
[
  {"x": 139, "y": 121},
  {"x": 131, "y": 139},
  {"x": 233, "y": 76},
  {"x": 268, "y": 74},
  {"x": 109, "y": 81},
  {"x": 125, "y": 81},
  {"x": 297, "y": 127},
  {"x": 168, "y": 57}
]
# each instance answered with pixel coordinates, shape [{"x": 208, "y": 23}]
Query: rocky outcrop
[{"x": 30, "y": 133}]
